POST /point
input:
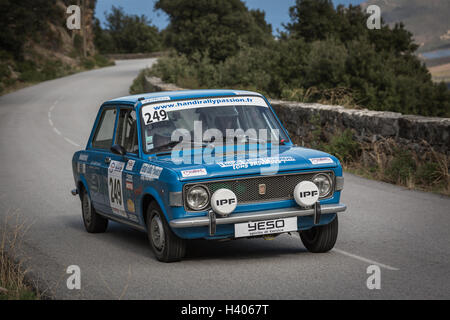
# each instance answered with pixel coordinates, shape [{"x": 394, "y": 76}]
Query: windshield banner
[{"x": 203, "y": 103}]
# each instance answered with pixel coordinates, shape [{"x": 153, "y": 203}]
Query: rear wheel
[
  {"x": 165, "y": 244},
  {"x": 321, "y": 238},
  {"x": 93, "y": 222}
]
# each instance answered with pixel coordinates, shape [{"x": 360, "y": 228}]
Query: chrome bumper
[{"x": 257, "y": 216}]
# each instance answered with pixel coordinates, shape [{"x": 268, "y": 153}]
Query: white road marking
[
  {"x": 57, "y": 131},
  {"x": 50, "y": 121},
  {"x": 71, "y": 142},
  {"x": 354, "y": 256}
]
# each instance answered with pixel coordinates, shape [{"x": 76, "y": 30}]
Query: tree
[
  {"x": 126, "y": 33},
  {"x": 312, "y": 19},
  {"x": 19, "y": 21},
  {"x": 216, "y": 28}
]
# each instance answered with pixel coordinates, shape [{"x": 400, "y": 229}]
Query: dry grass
[
  {"x": 13, "y": 283},
  {"x": 388, "y": 161},
  {"x": 340, "y": 96}
]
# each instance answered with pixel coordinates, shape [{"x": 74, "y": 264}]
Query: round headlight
[
  {"x": 197, "y": 198},
  {"x": 323, "y": 182}
]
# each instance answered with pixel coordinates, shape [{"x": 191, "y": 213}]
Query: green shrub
[
  {"x": 88, "y": 63},
  {"x": 101, "y": 61},
  {"x": 401, "y": 168},
  {"x": 343, "y": 146},
  {"x": 138, "y": 85}
]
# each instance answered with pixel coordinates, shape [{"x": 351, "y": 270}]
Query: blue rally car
[{"x": 204, "y": 164}]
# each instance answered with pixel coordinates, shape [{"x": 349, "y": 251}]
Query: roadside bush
[
  {"x": 138, "y": 85},
  {"x": 401, "y": 168},
  {"x": 343, "y": 146},
  {"x": 101, "y": 61}
]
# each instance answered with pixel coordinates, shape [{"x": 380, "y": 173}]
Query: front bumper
[{"x": 211, "y": 220}]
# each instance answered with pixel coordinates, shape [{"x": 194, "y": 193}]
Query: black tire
[
  {"x": 93, "y": 222},
  {"x": 166, "y": 245},
  {"x": 321, "y": 238}
]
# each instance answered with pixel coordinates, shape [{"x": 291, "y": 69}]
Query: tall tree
[
  {"x": 127, "y": 33},
  {"x": 312, "y": 19},
  {"x": 215, "y": 27}
]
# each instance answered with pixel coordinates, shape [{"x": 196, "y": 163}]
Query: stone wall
[{"x": 416, "y": 133}]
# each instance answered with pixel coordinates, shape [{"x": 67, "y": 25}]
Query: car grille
[{"x": 279, "y": 187}]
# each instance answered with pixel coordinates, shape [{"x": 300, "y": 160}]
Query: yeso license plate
[{"x": 259, "y": 228}]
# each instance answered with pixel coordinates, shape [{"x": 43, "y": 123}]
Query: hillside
[
  {"x": 38, "y": 46},
  {"x": 428, "y": 20}
]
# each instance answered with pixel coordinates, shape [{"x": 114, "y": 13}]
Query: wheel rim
[
  {"x": 87, "y": 214},
  {"x": 157, "y": 232}
]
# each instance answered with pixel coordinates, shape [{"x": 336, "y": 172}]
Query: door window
[
  {"x": 127, "y": 135},
  {"x": 105, "y": 130}
]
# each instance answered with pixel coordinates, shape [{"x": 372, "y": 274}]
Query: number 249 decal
[
  {"x": 116, "y": 191},
  {"x": 156, "y": 116}
]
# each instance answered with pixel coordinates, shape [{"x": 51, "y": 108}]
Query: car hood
[{"x": 245, "y": 162}]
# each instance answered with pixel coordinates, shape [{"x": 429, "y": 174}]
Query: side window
[
  {"x": 105, "y": 130},
  {"x": 127, "y": 135}
]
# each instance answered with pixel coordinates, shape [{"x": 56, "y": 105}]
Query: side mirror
[{"x": 118, "y": 149}]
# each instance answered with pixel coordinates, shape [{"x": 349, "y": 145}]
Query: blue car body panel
[{"x": 91, "y": 173}]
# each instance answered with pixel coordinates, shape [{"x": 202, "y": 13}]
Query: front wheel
[
  {"x": 166, "y": 245},
  {"x": 93, "y": 222},
  {"x": 321, "y": 238}
]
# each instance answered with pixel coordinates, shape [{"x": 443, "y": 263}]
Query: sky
[{"x": 277, "y": 11}]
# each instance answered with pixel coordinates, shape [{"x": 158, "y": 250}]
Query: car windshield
[{"x": 202, "y": 121}]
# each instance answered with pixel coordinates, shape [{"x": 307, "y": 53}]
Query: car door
[
  {"x": 99, "y": 156},
  {"x": 120, "y": 171},
  {"x": 127, "y": 137}
]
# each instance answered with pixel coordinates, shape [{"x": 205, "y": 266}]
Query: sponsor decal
[
  {"x": 150, "y": 172},
  {"x": 306, "y": 193},
  {"x": 261, "y": 228},
  {"x": 321, "y": 160},
  {"x": 194, "y": 173},
  {"x": 83, "y": 157},
  {"x": 130, "y": 165},
  {"x": 130, "y": 205},
  {"x": 129, "y": 182},
  {"x": 223, "y": 201},
  {"x": 129, "y": 185},
  {"x": 246, "y": 163},
  {"x": 155, "y": 100},
  {"x": 153, "y": 112}
]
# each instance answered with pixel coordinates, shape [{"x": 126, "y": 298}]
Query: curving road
[{"x": 405, "y": 232}]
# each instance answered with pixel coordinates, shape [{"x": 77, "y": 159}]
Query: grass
[
  {"x": 139, "y": 84},
  {"x": 13, "y": 275}
]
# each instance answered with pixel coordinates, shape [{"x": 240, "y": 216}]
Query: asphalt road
[{"x": 405, "y": 232}]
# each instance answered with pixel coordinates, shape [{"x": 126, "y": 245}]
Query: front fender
[{"x": 157, "y": 197}]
